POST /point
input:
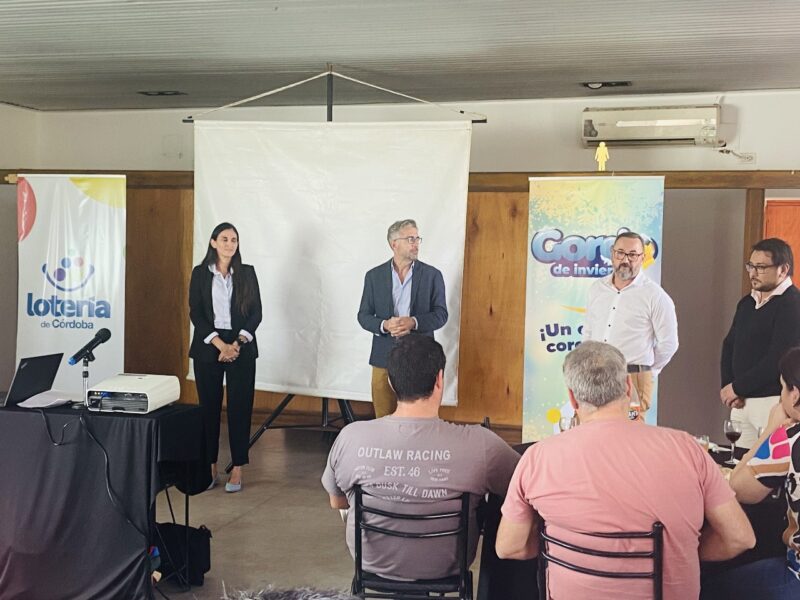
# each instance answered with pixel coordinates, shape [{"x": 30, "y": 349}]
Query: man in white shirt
[{"x": 633, "y": 313}]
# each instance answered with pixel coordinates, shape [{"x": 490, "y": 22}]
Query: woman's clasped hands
[{"x": 229, "y": 352}]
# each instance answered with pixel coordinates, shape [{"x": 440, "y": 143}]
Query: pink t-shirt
[{"x": 611, "y": 476}]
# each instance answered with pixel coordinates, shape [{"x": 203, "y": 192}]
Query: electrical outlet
[{"x": 747, "y": 158}]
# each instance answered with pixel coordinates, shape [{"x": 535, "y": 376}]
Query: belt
[{"x": 639, "y": 368}]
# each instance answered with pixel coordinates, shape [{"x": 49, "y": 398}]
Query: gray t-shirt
[{"x": 405, "y": 464}]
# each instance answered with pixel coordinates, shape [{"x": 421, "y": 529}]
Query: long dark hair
[
  {"x": 789, "y": 367},
  {"x": 245, "y": 293}
]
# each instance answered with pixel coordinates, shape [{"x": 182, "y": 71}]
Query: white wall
[
  {"x": 525, "y": 135},
  {"x": 702, "y": 271},
  {"x": 19, "y": 137}
]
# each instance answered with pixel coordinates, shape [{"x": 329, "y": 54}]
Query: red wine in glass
[
  {"x": 733, "y": 431},
  {"x": 733, "y": 436}
]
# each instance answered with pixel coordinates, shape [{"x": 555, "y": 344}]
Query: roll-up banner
[
  {"x": 71, "y": 235},
  {"x": 572, "y": 223}
]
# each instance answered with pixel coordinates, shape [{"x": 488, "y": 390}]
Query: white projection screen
[{"x": 312, "y": 203}]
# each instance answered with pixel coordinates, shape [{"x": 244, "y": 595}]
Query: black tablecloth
[
  {"x": 768, "y": 519},
  {"x": 61, "y": 536},
  {"x": 503, "y": 579}
]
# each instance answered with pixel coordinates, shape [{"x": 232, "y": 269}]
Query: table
[
  {"x": 503, "y": 579},
  {"x": 768, "y": 519},
  {"x": 61, "y": 536}
]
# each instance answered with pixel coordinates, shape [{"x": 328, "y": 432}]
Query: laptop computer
[{"x": 34, "y": 375}]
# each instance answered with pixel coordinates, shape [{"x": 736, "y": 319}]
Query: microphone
[{"x": 100, "y": 337}]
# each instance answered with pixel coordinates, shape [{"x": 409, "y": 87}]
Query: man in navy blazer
[{"x": 400, "y": 296}]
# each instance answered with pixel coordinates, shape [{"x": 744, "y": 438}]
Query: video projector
[{"x": 134, "y": 393}]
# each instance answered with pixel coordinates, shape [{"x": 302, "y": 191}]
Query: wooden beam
[
  {"x": 136, "y": 179},
  {"x": 494, "y": 182},
  {"x": 518, "y": 182},
  {"x": 753, "y": 228}
]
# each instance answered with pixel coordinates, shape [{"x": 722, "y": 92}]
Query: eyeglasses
[
  {"x": 411, "y": 239},
  {"x": 760, "y": 269},
  {"x": 632, "y": 256}
]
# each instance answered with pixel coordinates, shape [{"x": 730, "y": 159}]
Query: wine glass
[{"x": 733, "y": 431}]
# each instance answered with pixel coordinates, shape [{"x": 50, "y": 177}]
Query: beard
[
  {"x": 624, "y": 273},
  {"x": 760, "y": 286}
]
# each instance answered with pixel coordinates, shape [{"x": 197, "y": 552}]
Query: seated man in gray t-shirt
[{"x": 412, "y": 461}]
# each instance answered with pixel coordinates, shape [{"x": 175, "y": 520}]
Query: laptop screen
[{"x": 34, "y": 375}]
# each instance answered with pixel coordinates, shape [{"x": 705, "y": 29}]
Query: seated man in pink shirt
[{"x": 612, "y": 475}]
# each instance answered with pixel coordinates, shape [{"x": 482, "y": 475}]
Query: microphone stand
[{"x": 86, "y": 360}]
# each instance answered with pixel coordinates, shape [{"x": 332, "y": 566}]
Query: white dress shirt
[
  {"x": 401, "y": 294},
  {"x": 639, "y": 320},
  {"x": 221, "y": 294}
]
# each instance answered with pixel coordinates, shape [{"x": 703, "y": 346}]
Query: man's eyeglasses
[
  {"x": 411, "y": 239},
  {"x": 632, "y": 256},
  {"x": 760, "y": 269}
]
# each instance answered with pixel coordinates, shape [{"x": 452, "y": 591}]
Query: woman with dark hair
[
  {"x": 225, "y": 309},
  {"x": 773, "y": 463}
]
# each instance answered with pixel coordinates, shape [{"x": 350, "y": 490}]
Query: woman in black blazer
[{"x": 225, "y": 309}]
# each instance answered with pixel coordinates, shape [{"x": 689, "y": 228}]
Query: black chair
[
  {"x": 419, "y": 589},
  {"x": 656, "y": 554}
]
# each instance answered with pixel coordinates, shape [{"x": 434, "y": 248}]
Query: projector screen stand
[{"x": 346, "y": 417}]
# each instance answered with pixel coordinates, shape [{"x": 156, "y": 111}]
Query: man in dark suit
[{"x": 400, "y": 296}]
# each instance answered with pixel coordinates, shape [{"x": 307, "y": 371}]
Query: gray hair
[
  {"x": 596, "y": 373},
  {"x": 395, "y": 228},
  {"x": 297, "y": 594}
]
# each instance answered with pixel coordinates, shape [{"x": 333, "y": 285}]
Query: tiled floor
[{"x": 279, "y": 529}]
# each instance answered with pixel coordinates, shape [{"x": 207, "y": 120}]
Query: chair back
[
  {"x": 410, "y": 590},
  {"x": 656, "y": 554}
]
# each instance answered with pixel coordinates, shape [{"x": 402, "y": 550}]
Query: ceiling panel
[{"x": 97, "y": 54}]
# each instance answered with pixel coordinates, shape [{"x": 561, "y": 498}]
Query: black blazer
[
  {"x": 428, "y": 305},
  {"x": 201, "y": 313}
]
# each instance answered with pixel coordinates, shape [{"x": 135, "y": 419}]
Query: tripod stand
[{"x": 345, "y": 410}]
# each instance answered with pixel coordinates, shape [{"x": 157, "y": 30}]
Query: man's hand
[
  {"x": 399, "y": 326},
  {"x": 729, "y": 397}
]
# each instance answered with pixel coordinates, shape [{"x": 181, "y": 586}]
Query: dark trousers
[{"x": 240, "y": 378}]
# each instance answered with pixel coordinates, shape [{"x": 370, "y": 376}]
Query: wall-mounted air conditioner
[{"x": 652, "y": 126}]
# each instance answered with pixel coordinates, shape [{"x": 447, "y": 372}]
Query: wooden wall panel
[
  {"x": 492, "y": 309},
  {"x": 158, "y": 266},
  {"x": 753, "y": 229},
  {"x": 160, "y": 217}
]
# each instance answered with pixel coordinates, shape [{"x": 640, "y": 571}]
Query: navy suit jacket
[
  {"x": 201, "y": 313},
  {"x": 428, "y": 305}
]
